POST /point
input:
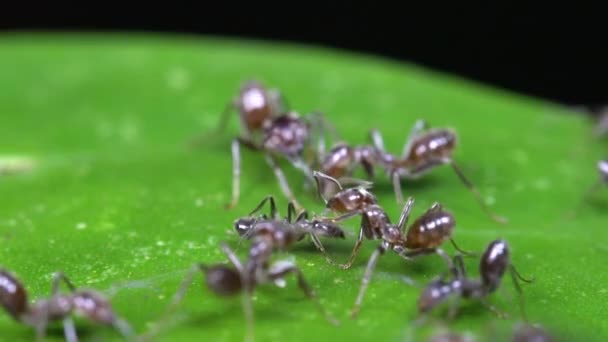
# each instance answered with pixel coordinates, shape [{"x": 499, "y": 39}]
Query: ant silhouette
[
  {"x": 58, "y": 307},
  {"x": 494, "y": 263}
]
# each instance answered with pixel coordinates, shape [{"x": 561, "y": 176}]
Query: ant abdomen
[
  {"x": 338, "y": 161},
  {"x": 494, "y": 263},
  {"x": 254, "y": 105},
  {"x": 430, "y": 230},
  {"x": 223, "y": 281},
  {"x": 436, "y": 144},
  {"x": 12, "y": 295}
]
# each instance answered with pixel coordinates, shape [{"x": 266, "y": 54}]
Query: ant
[
  {"x": 231, "y": 280},
  {"x": 494, "y": 262},
  {"x": 424, "y": 236},
  {"x": 249, "y": 227},
  {"x": 424, "y": 150},
  {"x": 87, "y": 303}
]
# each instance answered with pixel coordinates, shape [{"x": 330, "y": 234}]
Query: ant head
[
  {"x": 434, "y": 294},
  {"x": 243, "y": 226},
  {"x": 494, "y": 263},
  {"x": 223, "y": 280},
  {"x": 12, "y": 295},
  {"x": 328, "y": 229}
]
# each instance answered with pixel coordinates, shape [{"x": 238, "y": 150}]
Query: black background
[{"x": 542, "y": 50}]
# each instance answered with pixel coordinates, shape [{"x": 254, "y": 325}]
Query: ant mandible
[
  {"x": 494, "y": 262},
  {"x": 58, "y": 307},
  {"x": 249, "y": 227}
]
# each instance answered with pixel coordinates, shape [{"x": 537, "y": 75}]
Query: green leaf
[{"x": 107, "y": 190}]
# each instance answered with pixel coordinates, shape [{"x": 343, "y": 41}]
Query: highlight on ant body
[{"x": 89, "y": 304}]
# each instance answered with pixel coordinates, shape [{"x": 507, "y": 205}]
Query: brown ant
[
  {"x": 424, "y": 150},
  {"x": 87, "y": 303},
  {"x": 250, "y": 226},
  {"x": 230, "y": 280},
  {"x": 424, "y": 236},
  {"x": 494, "y": 262}
]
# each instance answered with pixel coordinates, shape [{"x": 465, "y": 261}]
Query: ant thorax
[
  {"x": 287, "y": 135},
  {"x": 374, "y": 221}
]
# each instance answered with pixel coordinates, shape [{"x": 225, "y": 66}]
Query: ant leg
[
  {"x": 462, "y": 251},
  {"x": 318, "y": 175},
  {"x": 41, "y": 330},
  {"x": 232, "y": 257},
  {"x": 405, "y": 214},
  {"x": 221, "y": 126},
  {"x": 236, "y": 173},
  {"x": 69, "y": 330},
  {"x": 371, "y": 264},
  {"x": 397, "y": 186},
  {"x": 376, "y": 138},
  {"x": 515, "y": 276},
  {"x": 183, "y": 288},
  {"x": 282, "y": 180},
  {"x": 273, "y": 207},
  {"x": 319, "y": 245},
  {"x": 280, "y": 269},
  {"x": 586, "y": 195},
  {"x": 291, "y": 211},
  {"x": 355, "y": 251},
  {"x": 302, "y": 166},
  {"x": 419, "y": 127},
  {"x": 460, "y": 271},
  {"x": 123, "y": 328},
  {"x": 498, "y": 313},
  {"x": 408, "y": 255},
  {"x": 453, "y": 308},
  {"x": 57, "y": 279},
  {"x": 475, "y": 192},
  {"x": 280, "y": 103}
]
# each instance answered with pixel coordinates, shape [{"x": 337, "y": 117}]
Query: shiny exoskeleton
[
  {"x": 349, "y": 200},
  {"x": 58, "y": 307},
  {"x": 258, "y": 269},
  {"x": 289, "y": 136},
  {"x": 494, "y": 263},
  {"x": 342, "y": 160},
  {"x": 256, "y": 104},
  {"x": 424, "y": 150},
  {"x": 424, "y": 236},
  {"x": 298, "y": 224}
]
